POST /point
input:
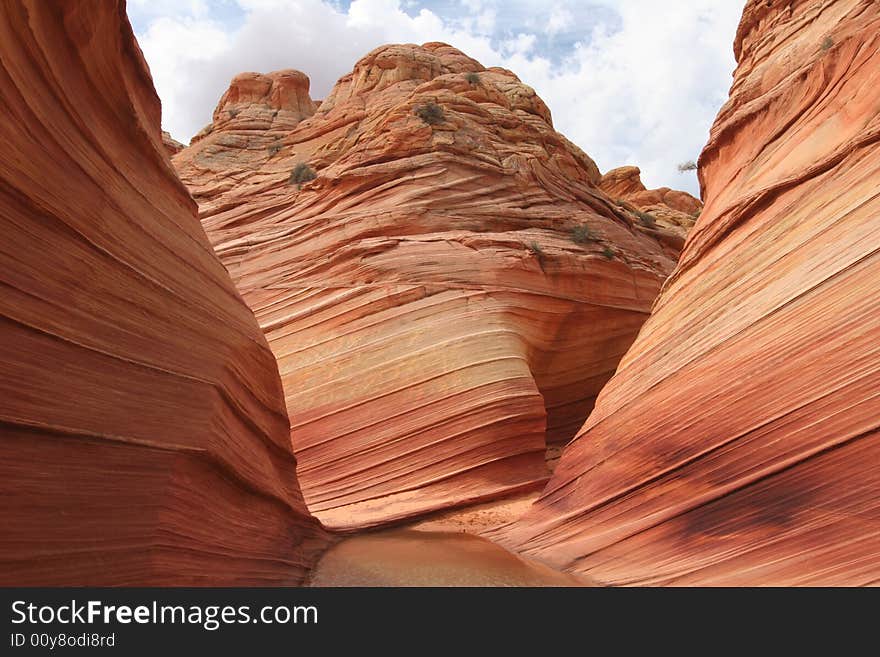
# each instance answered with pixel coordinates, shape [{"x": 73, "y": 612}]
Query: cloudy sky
[{"x": 630, "y": 81}]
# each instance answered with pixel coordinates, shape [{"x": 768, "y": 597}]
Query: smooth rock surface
[
  {"x": 738, "y": 442},
  {"x": 409, "y": 250},
  {"x": 143, "y": 435},
  {"x": 420, "y": 558}
]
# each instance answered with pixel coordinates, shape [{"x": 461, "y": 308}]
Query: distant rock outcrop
[
  {"x": 142, "y": 422},
  {"x": 172, "y": 146},
  {"x": 442, "y": 281},
  {"x": 739, "y": 441},
  {"x": 668, "y": 209}
]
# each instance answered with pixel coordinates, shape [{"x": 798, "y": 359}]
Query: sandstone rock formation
[
  {"x": 443, "y": 284},
  {"x": 144, "y": 435},
  {"x": 172, "y": 146},
  {"x": 738, "y": 442},
  {"x": 670, "y": 209},
  {"x": 254, "y": 114}
]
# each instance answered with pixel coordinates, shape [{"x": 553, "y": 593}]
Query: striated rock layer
[
  {"x": 442, "y": 282},
  {"x": 738, "y": 442},
  {"x": 143, "y": 431}
]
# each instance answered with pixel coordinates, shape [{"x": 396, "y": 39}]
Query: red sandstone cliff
[
  {"x": 738, "y": 442},
  {"x": 143, "y": 430},
  {"x": 441, "y": 279}
]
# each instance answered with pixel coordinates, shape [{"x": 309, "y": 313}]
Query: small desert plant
[
  {"x": 582, "y": 234},
  {"x": 430, "y": 113},
  {"x": 696, "y": 213},
  {"x": 647, "y": 220},
  {"x": 472, "y": 78},
  {"x": 233, "y": 113},
  {"x": 274, "y": 148},
  {"x": 536, "y": 250},
  {"x": 827, "y": 43},
  {"x": 690, "y": 165},
  {"x": 302, "y": 173},
  {"x": 608, "y": 252}
]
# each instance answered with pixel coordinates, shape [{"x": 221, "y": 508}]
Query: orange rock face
[
  {"x": 738, "y": 442},
  {"x": 443, "y": 284},
  {"x": 144, "y": 435},
  {"x": 668, "y": 209}
]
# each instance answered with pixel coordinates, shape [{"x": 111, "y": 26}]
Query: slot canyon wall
[
  {"x": 142, "y": 424},
  {"x": 738, "y": 441},
  {"x": 442, "y": 281}
]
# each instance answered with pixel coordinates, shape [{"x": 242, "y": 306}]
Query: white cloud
[
  {"x": 647, "y": 92},
  {"x": 560, "y": 18},
  {"x": 521, "y": 45},
  {"x": 159, "y": 8},
  {"x": 639, "y": 84}
]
